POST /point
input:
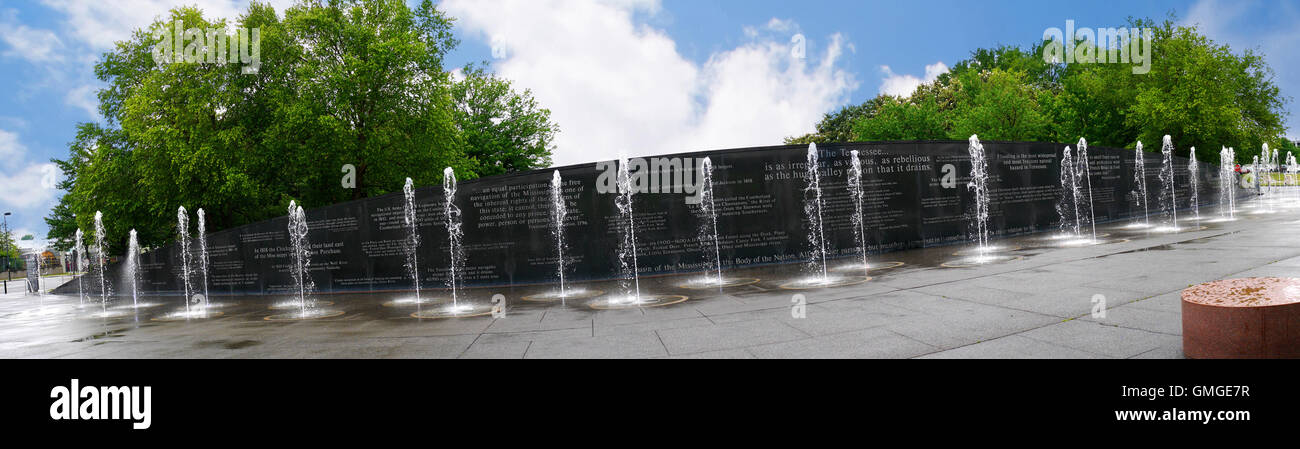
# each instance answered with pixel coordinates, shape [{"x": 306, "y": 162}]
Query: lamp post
[{"x": 8, "y": 272}]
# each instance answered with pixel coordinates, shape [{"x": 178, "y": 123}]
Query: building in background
[{"x": 52, "y": 260}]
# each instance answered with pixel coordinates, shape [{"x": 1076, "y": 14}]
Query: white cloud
[
  {"x": 91, "y": 27},
  {"x": 1264, "y": 26},
  {"x": 83, "y": 97},
  {"x": 101, "y": 23},
  {"x": 31, "y": 44},
  {"x": 13, "y": 122},
  {"x": 26, "y": 189},
  {"x": 780, "y": 25},
  {"x": 775, "y": 25},
  {"x": 38, "y": 241},
  {"x": 11, "y": 149},
  {"x": 28, "y": 192},
  {"x": 66, "y": 53},
  {"x": 902, "y": 85},
  {"x": 615, "y": 85}
]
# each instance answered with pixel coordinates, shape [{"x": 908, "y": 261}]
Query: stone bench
[{"x": 1242, "y": 318}]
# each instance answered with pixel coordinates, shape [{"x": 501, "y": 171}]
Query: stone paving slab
[
  {"x": 826, "y": 318},
  {"x": 728, "y": 354},
  {"x": 956, "y": 331},
  {"x": 1012, "y": 347},
  {"x": 1127, "y": 316},
  {"x": 535, "y": 336},
  {"x": 1096, "y": 338},
  {"x": 1171, "y": 302},
  {"x": 741, "y": 334},
  {"x": 649, "y": 326},
  {"x": 870, "y": 343},
  {"x": 636, "y": 345},
  {"x": 1035, "y": 307}
]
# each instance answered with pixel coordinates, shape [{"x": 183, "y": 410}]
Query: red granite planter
[{"x": 1242, "y": 318}]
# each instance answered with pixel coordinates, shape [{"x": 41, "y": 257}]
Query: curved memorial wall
[{"x": 916, "y": 196}]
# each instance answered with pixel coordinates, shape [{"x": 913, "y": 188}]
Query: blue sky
[
  {"x": 633, "y": 76},
  {"x": 904, "y": 35}
]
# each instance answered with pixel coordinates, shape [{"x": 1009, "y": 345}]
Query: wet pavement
[{"x": 1035, "y": 300}]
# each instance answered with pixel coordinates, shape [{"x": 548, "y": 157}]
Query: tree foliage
[
  {"x": 838, "y": 126},
  {"x": 1200, "y": 93},
  {"x": 342, "y": 84},
  {"x": 9, "y": 250},
  {"x": 504, "y": 130}
]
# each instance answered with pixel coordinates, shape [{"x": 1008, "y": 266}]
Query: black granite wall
[{"x": 916, "y": 196}]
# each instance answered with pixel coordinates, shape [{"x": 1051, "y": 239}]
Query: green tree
[
  {"x": 1008, "y": 58},
  {"x": 1198, "y": 92},
  {"x": 1092, "y": 104},
  {"x": 504, "y": 130},
  {"x": 372, "y": 93},
  {"x": 100, "y": 175},
  {"x": 917, "y": 118},
  {"x": 840, "y": 125},
  {"x": 342, "y": 84},
  {"x": 1000, "y": 105},
  {"x": 8, "y": 248},
  {"x": 1201, "y": 94}
]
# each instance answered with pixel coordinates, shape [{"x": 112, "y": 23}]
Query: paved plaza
[{"x": 1038, "y": 306}]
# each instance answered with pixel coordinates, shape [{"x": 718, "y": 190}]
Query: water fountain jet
[
  {"x": 1261, "y": 205},
  {"x": 1067, "y": 206},
  {"x": 559, "y": 214},
  {"x": 105, "y": 290},
  {"x": 1227, "y": 185},
  {"x": 80, "y": 251},
  {"x": 133, "y": 268},
  {"x": 195, "y": 303},
  {"x": 132, "y": 275},
  {"x": 1294, "y": 168},
  {"x": 559, "y": 211},
  {"x": 858, "y": 195},
  {"x": 979, "y": 214},
  {"x": 708, "y": 238},
  {"x": 1169, "y": 206},
  {"x": 456, "y": 253},
  {"x": 979, "y": 178},
  {"x": 101, "y": 268},
  {"x": 1193, "y": 173},
  {"x": 203, "y": 257},
  {"x": 813, "y": 213},
  {"x": 710, "y": 212},
  {"x": 411, "y": 247},
  {"x": 1087, "y": 176},
  {"x": 630, "y": 280},
  {"x": 300, "y": 271},
  {"x": 183, "y": 244},
  {"x": 1075, "y": 179},
  {"x": 1140, "y": 181}
]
